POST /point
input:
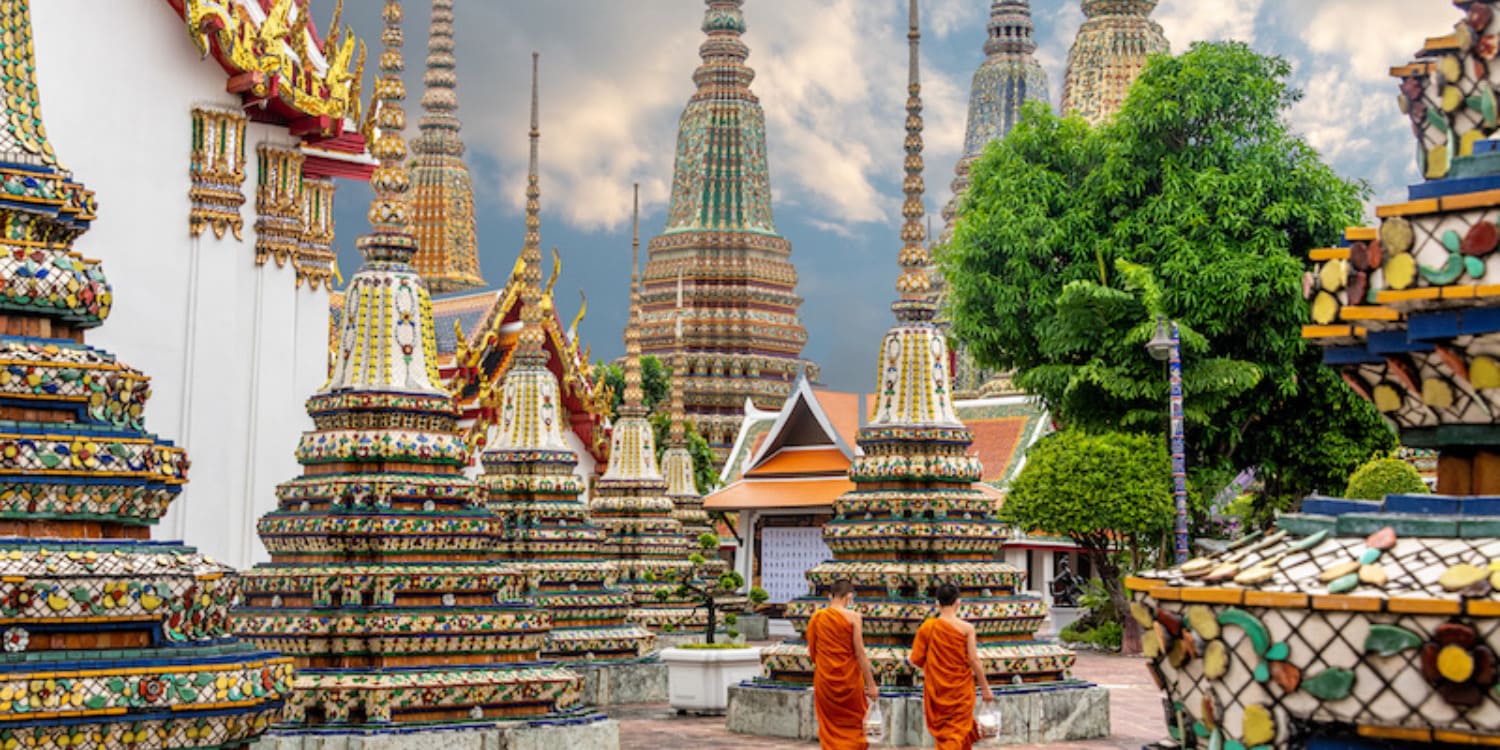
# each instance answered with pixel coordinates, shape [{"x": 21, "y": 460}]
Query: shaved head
[{"x": 840, "y": 589}]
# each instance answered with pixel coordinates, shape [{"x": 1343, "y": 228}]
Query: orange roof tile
[
  {"x": 778, "y": 493},
  {"x": 802, "y": 462},
  {"x": 842, "y": 410},
  {"x": 996, "y": 442}
]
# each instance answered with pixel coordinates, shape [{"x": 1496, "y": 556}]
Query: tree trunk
[
  {"x": 1130, "y": 639},
  {"x": 712, "y": 625}
]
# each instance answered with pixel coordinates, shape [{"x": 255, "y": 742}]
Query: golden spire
[
  {"x": 391, "y": 239},
  {"x": 530, "y": 341},
  {"x": 634, "y": 400},
  {"x": 913, "y": 283}
]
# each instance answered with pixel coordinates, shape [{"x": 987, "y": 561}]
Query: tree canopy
[{"x": 1197, "y": 202}]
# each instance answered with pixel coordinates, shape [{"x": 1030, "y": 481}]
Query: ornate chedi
[
  {"x": 630, "y": 500},
  {"x": 382, "y": 585},
  {"x": 1009, "y": 77},
  {"x": 529, "y": 481},
  {"x": 1360, "y": 623},
  {"x": 1109, "y": 52},
  {"x": 110, "y": 640},
  {"x": 443, "y": 200},
  {"x": 916, "y": 519},
  {"x": 720, "y": 247}
]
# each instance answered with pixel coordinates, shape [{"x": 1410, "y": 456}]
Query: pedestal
[
  {"x": 622, "y": 682},
  {"x": 698, "y": 680},
  {"x": 590, "y": 732}
]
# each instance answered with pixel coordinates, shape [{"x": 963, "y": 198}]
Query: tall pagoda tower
[
  {"x": 443, "y": 218},
  {"x": 382, "y": 584},
  {"x": 630, "y": 500},
  {"x": 741, "y": 332},
  {"x": 915, "y": 519},
  {"x": 1009, "y": 77},
  {"x": 110, "y": 639},
  {"x": 1109, "y": 52},
  {"x": 529, "y": 482}
]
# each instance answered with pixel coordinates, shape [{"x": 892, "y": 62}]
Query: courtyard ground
[{"x": 1134, "y": 712}]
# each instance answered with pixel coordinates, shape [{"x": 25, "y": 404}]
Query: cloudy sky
[{"x": 831, "y": 76}]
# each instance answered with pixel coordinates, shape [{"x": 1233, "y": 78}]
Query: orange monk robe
[
  {"x": 838, "y": 685},
  {"x": 942, "y": 652}
]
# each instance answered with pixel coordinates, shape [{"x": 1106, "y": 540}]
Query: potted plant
[
  {"x": 752, "y": 624},
  {"x": 699, "y": 674}
]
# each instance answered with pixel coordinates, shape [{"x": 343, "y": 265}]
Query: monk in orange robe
[
  {"x": 947, "y": 652},
  {"x": 842, "y": 677}
]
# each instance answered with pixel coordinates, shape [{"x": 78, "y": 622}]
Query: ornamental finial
[
  {"x": 391, "y": 239},
  {"x": 531, "y": 338},
  {"x": 634, "y": 399},
  {"x": 913, "y": 283}
]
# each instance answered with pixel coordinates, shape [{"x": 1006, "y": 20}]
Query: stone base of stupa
[
  {"x": 1052, "y": 712},
  {"x": 622, "y": 682},
  {"x": 590, "y": 732}
]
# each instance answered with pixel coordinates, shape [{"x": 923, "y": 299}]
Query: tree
[
  {"x": 656, "y": 382},
  {"x": 695, "y": 583},
  {"x": 705, "y": 478},
  {"x": 1384, "y": 475},
  {"x": 1111, "y": 493},
  {"x": 1200, "y": 182}
]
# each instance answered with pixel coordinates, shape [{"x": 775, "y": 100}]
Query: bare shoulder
[{"x": 852, "y": 616}]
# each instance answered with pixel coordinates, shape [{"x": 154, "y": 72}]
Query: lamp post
[{"x": 1165, "y": 345}]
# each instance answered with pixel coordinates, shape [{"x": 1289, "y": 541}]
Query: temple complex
[
  {"x": 442, "y": 198},
  {"x": 1009, "y": 77},
  {"x": 916, "y": 518},
  {"x": 109, "y": 638},
  {"x": 1366, "y": 624},
  {"x": 740, "y": 331},
  {"x": 383, "y": 585},
  {"x": 1109, "y": 52},
  {"x": 630, "y": 500},
  {"x": 529, "y": 482}
]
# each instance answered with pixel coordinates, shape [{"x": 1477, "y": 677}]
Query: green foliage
[
  {"x": 1196, "y": 202},
  {"x": 656, "y": 382},
  {"x": 1106, "y": 636},
  {"x": 705, "y": 475},
  {"x": 758, "y": 595},
  {"x": 731, "y": 619},
  {"x": 656, "y": 390},
  {"x": 1384, "y": 475}
]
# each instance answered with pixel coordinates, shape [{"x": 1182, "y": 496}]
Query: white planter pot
[{"x": 699, "y": 679}]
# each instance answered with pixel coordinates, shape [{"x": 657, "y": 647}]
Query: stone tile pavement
[{"x": 1134, "y": 705}]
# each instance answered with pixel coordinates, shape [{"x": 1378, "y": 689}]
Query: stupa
[
  {"x": 1107, "y": 54},
  {"x": 1363, "y": 624},
  {"x": 720, "y": 247},
  {"x": 443, "y": 196},
  {"x": 109, "y": 639},
  {"x": 382, "y": 584},
  {"x": 630, "y": 500},
  {"x": 529, "y": 482},
  {"x": 1009, "y": 77},
  {"x": 916, "y": 520}
]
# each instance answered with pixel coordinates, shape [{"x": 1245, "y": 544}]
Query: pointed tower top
[
  {"x": 913, "y": 283},
  {"x": 634, "y": 404},
  {"x": 391, "y": 239},
  {"x": 439, "y": 100},
  {"x": 530, "y": 344},
  {"x": 723, "y": 74},
  {"x": 23, "y": 139},
  {"x": 1095, "y": 8},
  {"x": 1010, "y": 28}
]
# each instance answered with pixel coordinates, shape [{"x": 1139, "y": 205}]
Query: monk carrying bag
[
  {"x": 874, "y": 723},
  {"x": 987, "y": 721}
]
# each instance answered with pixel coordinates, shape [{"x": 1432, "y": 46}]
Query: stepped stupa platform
[{"x": 914, "y": 521}]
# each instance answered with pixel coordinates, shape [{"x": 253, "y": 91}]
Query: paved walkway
[{"x": 1134, "y": 710}]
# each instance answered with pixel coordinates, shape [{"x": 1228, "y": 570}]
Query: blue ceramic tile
[{"x": 1333, "y": 506}]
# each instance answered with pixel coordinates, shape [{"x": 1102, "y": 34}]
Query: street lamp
[{"x": 1164, "y": 345}]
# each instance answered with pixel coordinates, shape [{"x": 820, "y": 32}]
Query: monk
[
  {"x": 835, "y": 641},
  {"x": 947, "y": 652}
]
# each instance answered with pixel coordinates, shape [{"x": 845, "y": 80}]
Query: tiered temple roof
[
  {"x": 630, "y": 500},
  {"x": 740, "y": 328},
  {"x": 529, "y": 481},
  {"x": 915, "y": 518},
  {"x": 382, "y": 583},
  {"x": 1109, "y": 52},
  {"x": 443, "y": 200},
  {"x": 110, "y": 639}
]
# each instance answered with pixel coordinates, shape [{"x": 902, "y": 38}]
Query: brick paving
[{"x": 1134, "y": 712}]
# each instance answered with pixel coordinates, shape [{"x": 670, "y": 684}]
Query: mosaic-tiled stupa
[
  {"x": 915, "y": 519},
  {"x": 1108, "y": 53},
  {"x": 630, "y": 501},
  {"x": 720, "y": 248},
  {"x": 1364, "y": 624},
  {"x": 529, "y": 481},
  {"x": 442, "y": 191},
  {"x": 382, "y": 584},
  {"x": 110, "y": 640}
]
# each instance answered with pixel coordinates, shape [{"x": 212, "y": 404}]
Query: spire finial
[
  {"x": 913, "y": 283},
  {"x": 634, "y": 404},
  {"x": 531, "y": 339},
  {"x": 391, "y": 239},
  {"x": 439, "y": 99},
  {"x": 1011, "y": 28}
]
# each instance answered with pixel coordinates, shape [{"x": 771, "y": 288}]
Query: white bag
[
  {"x": 987, "y": 721},
  {"x": 874, "y": 723}
]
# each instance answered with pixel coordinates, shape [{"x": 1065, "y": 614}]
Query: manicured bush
[{"x": 1384, "y": 476}]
